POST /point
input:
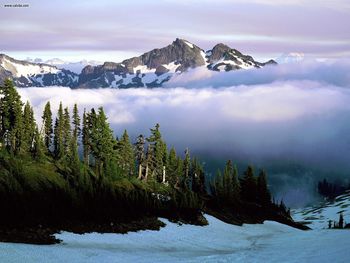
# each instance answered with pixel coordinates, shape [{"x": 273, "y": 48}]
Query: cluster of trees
[
  {"x": 230, "y": 187},
  {"x": 338, "y": 225},
  {"x": 18, "y": 131},
  {"x": 86, "y": 164},
  {"x": 63, "y": 138},
  {"x": 330, "y": 190}
]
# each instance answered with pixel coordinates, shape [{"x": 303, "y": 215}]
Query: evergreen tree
[
  {"x": 156, "y": 164},
  {"x": 76, "y": 123},
  {"x": 341, "y": 220},
  {"x": 264, "y": 196},
  {"x": 74, "y": 154},
  {"x": 249, "y": 185},
  {"x": 149, "y": 161},
  {"x": 140, "y": 154},
  {"x": 172, "y": 167},
  {"x": 218, "y": 188},
  {"x": 10, "y": 116},
  {"x": 227, "y": 181},
  {"x": 198, "y": 177},
  {"x": 236, "y": 187},
  {"x": 59, "y": 134},
  {"x": 102, "y": 141},
  {"x": 38, "y": 145},
  {"x": 226, "y": 186},
  {"x": 179, "y": 173},
  {"x": 125, "y": 154},
  {"x": 74, "y": 161},
  {"x": 186, "y": 171},
  {"x": 164, "y": 150},
  {"x": 67, "y": 136},
  {"x": 47, "y": 126},
  {"x": 86, "y": 138},
  {"x": 29, "y": 129}
]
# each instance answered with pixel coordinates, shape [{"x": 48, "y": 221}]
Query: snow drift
[{"x": 217, "y": 242}]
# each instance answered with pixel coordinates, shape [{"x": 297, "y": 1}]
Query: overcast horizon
[{"x": 110, "y": 31}]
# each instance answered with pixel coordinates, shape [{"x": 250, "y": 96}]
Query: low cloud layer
[
  {"x": 296, "y": 127},
  {"x": 332, "y": 72}
]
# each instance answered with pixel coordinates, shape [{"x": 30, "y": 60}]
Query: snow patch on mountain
[
  {"x": 189, "y": 44},
  {"x": 26, "y": 70}
]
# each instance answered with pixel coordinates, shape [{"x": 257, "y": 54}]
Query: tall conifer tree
[
  {"x": 59, "y": 133},
  {"x": 11, "y": 116},
  {"x": 29, "y": 129},
  {"x": 140, "y": 154},
  {"x": 47, "y": 127}
]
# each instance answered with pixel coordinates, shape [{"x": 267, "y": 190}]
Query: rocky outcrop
[{"x": 151, "y": 69}]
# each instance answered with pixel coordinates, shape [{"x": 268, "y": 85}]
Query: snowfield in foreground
[{"x": 218, "y": 242}]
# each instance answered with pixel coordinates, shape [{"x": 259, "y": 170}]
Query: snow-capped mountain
[
  {"x": 28, "y": 74},
  {"x": 318, "y": 216},
  {"x": 224, "y": 58},
  {"x": 157, "y": 66},
  {"x": 151, "y": 69},
  {"x": 293, "y": 57}
]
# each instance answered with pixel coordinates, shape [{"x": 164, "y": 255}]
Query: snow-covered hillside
[
  {"x": 317, "y": 217},
  {"x": 218, "y": 242},
  {"x": 27, "y": 74}
]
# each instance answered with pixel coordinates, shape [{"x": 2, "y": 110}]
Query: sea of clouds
[{"x": 292, "y": 119}]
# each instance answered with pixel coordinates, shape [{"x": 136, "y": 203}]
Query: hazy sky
[{"x": 113, "y": 30}]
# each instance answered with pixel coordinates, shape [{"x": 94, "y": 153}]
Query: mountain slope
[
  {"x": 151, "y": 69},
  {"x": 317, "y": 217},
  {"x": 28, "y": 74},
  {"x": 224, "y": 58}
]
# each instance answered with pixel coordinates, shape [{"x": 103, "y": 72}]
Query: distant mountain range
[
  {"x": 75, "y": 67},
  {"x": 151, "y": 69}
]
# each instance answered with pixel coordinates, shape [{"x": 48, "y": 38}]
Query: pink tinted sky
[{"x": 113, "y": 30}]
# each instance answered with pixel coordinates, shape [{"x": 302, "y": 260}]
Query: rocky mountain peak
[{"x": 218, "y": 52}]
